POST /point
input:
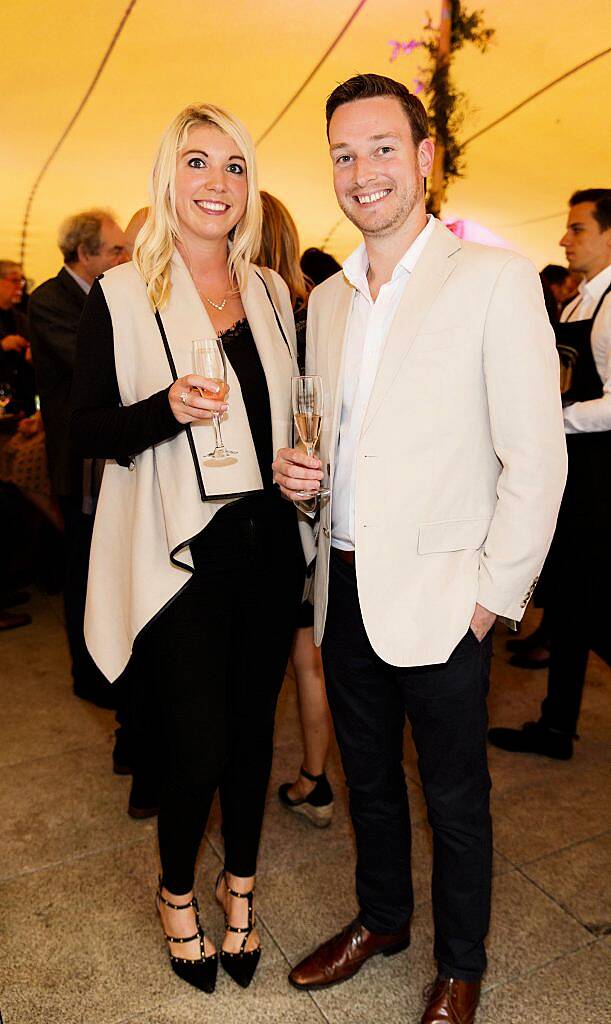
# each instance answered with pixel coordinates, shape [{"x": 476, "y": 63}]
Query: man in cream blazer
[{"x": 443, "y": 446}]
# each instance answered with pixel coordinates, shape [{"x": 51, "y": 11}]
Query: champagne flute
[
  {"x": 209, "y": 361},
  {"x": 308, "y": 402}
]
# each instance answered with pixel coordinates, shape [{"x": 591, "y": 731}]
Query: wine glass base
[
  {"x": 220, "y": 453},
  {"x": 308, "y": 495}
]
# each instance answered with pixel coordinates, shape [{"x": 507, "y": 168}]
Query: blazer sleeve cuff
[{"x": 507, "y": 607}]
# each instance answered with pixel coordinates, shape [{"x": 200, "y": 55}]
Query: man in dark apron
[{"x": 578, "y": 567}]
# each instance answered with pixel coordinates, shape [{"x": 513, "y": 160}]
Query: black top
[
  {"x": 242, "y": 353},
  {"x": 574, "y": 344},
  {"x": 301, "y": 319},
  {"x": 103, "y": 428},
  {"x": 12, "y": 322},
  {"x": 14, "y": 367}
]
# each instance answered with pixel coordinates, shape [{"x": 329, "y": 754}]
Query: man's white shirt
[
  {"x": 368, "y": 326},
  {"x": 596, "y": 414}
]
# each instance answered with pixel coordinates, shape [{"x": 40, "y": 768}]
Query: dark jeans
[
  {"x": 216, "y": 658},
  {"x": 446, "y": 707}
]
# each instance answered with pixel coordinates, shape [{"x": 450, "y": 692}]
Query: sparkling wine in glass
[
  {"x": 307, "y": 394},
  {"x": 209, "y": 361}
]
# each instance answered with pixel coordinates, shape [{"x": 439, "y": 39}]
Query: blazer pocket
[
  {"x": 431, "y": 341},
  {"x": 453, "y": 535}
]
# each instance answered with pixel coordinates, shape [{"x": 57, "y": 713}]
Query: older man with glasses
[
  {"x": 17, "y": 392},
  {"x": 15, "y": 363}
]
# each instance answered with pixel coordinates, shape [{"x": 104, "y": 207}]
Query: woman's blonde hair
[
  {"x": 154, "y": 245},
  {"x": 280, "y": 248}
]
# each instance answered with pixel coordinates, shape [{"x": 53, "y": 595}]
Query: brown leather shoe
[
  {"x": 342, "y": 956},
  {"x": 451, "y": 1001}
]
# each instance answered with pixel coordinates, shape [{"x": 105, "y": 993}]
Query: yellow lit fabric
[{"x": 251, "y": 56}]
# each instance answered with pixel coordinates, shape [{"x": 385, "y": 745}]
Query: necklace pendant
[{"x": 219, "y": 306}]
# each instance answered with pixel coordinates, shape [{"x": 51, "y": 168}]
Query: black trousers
[
  {"x": 446, "y": 707},
  {"x": 78, "y": 531},
  {"x": 216, "y": 658},
  {"x": 577, "y": 570},
  {"x": 569, "y": 624}
]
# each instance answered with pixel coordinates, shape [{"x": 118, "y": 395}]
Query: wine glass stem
[
  {"x": 217, "y": 430},
  {"x": 310, "y": 450}
]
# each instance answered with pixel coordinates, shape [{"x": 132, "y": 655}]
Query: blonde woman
[
  {"x": 310, "y": 795},
  {"x": 196, "y": 563}
]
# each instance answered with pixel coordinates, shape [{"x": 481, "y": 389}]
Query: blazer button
[
  {"x": 131, "y": 466},
  {"x": 326, "y": 532}
]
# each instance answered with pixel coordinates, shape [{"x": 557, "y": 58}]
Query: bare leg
[{"x": 313, "y": 709}]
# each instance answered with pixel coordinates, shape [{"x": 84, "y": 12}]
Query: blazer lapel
[
  {"x": 336, "y": 347},
  {"x": 430, "y": 273}
]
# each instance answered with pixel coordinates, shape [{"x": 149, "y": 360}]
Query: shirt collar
[
  {"x": 596, "y": 288},
  {"x": 79, "y": 280},
  {"x": 355, "y": 267}
]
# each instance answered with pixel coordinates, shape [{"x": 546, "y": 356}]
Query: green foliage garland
[{"x": 447, "y": 105}]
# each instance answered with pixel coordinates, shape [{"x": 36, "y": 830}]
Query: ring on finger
[{"x": 183, "y": 397}]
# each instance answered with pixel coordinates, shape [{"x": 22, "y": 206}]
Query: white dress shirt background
[
  {"x": 368, "y": 326},
  {"x": 595, "y": 415}
]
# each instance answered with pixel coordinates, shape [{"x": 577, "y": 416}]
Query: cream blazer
[
  {"x": 149, "y": 512},
  {"x": 461, "y": 463}
]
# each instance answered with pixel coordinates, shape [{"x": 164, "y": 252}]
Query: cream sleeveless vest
[{"x": 148, "y": 512}]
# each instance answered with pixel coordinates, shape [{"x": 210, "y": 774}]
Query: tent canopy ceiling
[{"x": 251, "y": 58}]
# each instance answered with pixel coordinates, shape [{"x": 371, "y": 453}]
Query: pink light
[
  {"x": 402, "y": 48},
  {"x": 471, "y": 231}
]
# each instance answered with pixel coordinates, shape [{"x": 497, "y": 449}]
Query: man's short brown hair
[
  {"x": 601, "y": 197},
  {"x": 367, "y": 87}
]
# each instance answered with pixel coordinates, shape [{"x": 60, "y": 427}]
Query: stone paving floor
[{"x": 79, "y": 939}]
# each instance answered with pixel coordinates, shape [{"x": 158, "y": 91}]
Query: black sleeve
[
  {"x": 100, "y": 426},
  {"x": 50, "y": 330}
]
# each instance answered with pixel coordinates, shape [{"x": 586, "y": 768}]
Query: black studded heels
[
  {"x": 200, "y": 973},
  {"x": 242, "y": 965}
]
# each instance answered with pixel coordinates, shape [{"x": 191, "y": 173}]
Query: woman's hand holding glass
[{"x": 192, "y": 399}]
